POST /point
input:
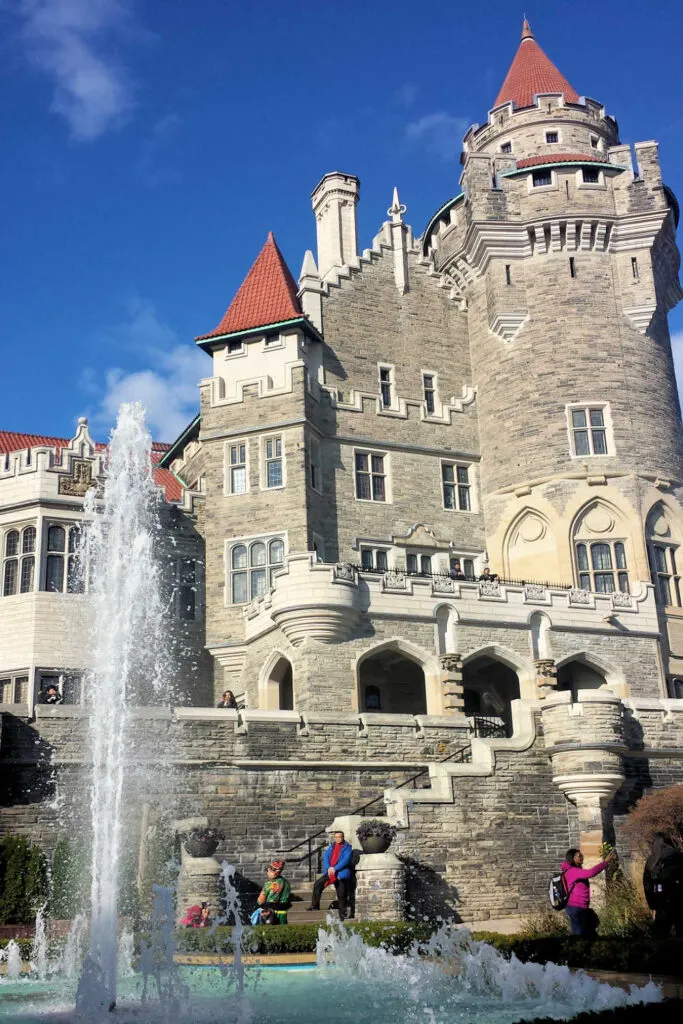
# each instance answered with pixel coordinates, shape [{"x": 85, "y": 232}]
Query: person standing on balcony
[{"x": 337, "y": 868}]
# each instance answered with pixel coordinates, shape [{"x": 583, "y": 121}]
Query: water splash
[
  {"x": 118, "y": 556},
  {"x": 12, "y": 957},
  {"x": 71, "y": 960},
  {"x": 39, "y": 961}
]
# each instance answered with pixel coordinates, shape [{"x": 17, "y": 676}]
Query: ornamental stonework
[{"x": 81, "y": 479}]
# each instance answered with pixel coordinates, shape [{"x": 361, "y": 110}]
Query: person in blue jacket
[{"x": 337, "y": 870}]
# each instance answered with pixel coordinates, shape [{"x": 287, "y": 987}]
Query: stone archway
[
  {"x": 578, "y": 675},
  {"x": 489, "y": 688},
  {"x": 277, "y": 686},
  {"x": 389, "y": 681}
]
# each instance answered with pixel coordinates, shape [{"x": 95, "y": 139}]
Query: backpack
[{"x": 558, "y": 894}]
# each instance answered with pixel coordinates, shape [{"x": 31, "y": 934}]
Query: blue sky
[{"x": 150, "y": 145}]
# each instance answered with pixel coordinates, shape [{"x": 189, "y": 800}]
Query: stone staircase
[{"x": 301, "y": 898}]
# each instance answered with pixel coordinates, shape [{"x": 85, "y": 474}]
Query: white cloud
[
  {"x": 166, "y": 386},
  {"x": 440, "y": 133},
  {"x": 68, "y": 41}
]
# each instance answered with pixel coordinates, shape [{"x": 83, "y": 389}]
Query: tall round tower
[{"x": 562, "y": 249}]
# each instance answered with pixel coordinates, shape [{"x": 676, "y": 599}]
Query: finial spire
[
  {"x": 526, "y": 30},
  {"x": 397, "y": 209}
]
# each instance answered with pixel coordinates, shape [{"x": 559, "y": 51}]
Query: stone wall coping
[
  {"x": 60, "y": 711},
  {"x": 372, "y": 718},
  {"x": 257, "y": 715},
  {"x": 564, "y": 697},
  {"x": 459, "y": 722},
  {"x": 205, "y": 714},
  {"x": 331, "y": 718},
  {"x": 563, "y": 748},
  {"x": 666, "y": 704},
  {"x": 16, "y": 710}
]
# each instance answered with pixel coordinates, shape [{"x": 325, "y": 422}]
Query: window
[
  {"x": 237, "y": 468},
  {"x": 314, "y": 473},
  {"x": 462, "y": 565},
  {"x": 506, "y": 147},
  {"x": 591, "y": 176},
  {"x": 589, "y": 431},
  {"x": 18, "y": 569},
  {"x": 456, "y": 487},
  {"x": 373, "y": 701},
  {"x": 273, "y": 462},
  {"x": 418, "y": 563},
  {"x": 235, "y": 347},
  {"x": 385, "y": 386},
  {"x": 186, "y": 589},
  {"x": 252, "y": 566},
  {"x": 428, "y": 389},
  {"x": 14, "y": 689},
  {"x": 634, "y": 268},
  {"x": 572, "y": 267},
  {"x": 551, "y": 137},
  {"x": 662, "y": 558},
  {"x": 540, "y": 178},
  {"x": 370, "y": 477},
  {"x": 273, "y": 340},
  {"x": 595, "y": 142},
  {"x": 374, "y": 559},
  {"x": 508, "y": 274},
  {"x": 63, "y": 543},
  {"x": 602, "y": 567}
]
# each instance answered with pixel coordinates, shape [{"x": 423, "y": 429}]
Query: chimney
[{"x": 334, "y": 205}]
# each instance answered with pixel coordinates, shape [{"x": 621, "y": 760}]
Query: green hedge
[
  {"x": 640, "y": 954},
  {"x": 668, "y": 1012},
  {"x": 23, "y": 880},
  {"x": 25, "y": 946},
  {"x": 299, "y": 938}
]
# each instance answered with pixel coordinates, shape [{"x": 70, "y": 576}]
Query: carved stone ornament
[
  {"x": 344, "y": 571},
  {"x": 545, "y": 667},
  {"x": 534, "y": 592},
  {"x": 394, "y": 581},
  {"x": 577, "y": 596},
  {"x": 451, "y": 663},
  {"x": 620, "y": 600},
  {"x": 443, "y": 585},
  {"x": 80, "y": 481},
  {"x": 489, "y": 588}
]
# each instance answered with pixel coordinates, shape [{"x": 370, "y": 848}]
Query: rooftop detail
[
  {"x": 562, "y": 158},
  {"x": 268, "y": 295},
  {"x": 532, "y": 73}
]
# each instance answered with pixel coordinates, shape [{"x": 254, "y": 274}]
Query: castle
[{"x": 427, "y": 518}]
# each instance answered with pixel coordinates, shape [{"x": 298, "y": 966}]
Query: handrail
[
  {"x": 493, "y": 578},
  {"x": 460, "y": 752}
]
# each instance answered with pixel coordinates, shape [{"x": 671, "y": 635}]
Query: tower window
[
  {"x": 634, "y": 268},
  {"x": 506, "y": 147},
  {"x": 591, "y": 176},
  {"x": 237, "y": 469},
  {"x": 589, "y": 431},
  {"x": 428, "y": 389},
  {"x": 602, "y": 567},
  {"x": 315, "y": 475},
  {"x": 252, "y": 566},
  {"x": 540, "y": 178},
  {"x": 595, "y": 142},
  {"x": 572, "y": 267},
  {"x": 370, "y": 477},
  {"x": 273, "y": 474},
  {"x": 551, "y": 137},
  {"x": 385, "y": 386},
  {"x": 456, "y": 487},
  {"x": 662, "y": 558},
  {"x": 508, "y": 274}
]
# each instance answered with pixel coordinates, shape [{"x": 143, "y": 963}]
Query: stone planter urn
[
  {"x": 198, "y": 844},
  {"x": 375, "y": 835}
]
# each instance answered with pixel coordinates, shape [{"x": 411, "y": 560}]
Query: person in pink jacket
[{"x": 584, "y": 921}]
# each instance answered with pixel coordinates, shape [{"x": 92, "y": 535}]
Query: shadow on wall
[
  {"x": 428, "y": 895},
  {"x": 27, "y": 775}
]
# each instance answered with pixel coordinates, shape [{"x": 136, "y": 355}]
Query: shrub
[
  {"x": 376, "y": 827},
  {"x": 70, "y": 879},
  {"x": 661, "y": 811},
  {"x": 544, "y": 922},
  {"x": 396, "y": 937},
  {"x": 642, "y": 954},
  {"x": 23, "y": 880}
]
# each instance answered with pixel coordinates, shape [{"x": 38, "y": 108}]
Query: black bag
[{"x": 558, "y": 893}]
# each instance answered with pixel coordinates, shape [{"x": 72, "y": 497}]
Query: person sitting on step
[
  {"x": 275, "y": 896},
  {"x": 337, "y": 868}
]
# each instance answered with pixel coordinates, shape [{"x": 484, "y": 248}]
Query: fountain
[{"x": 449, "y": 979}]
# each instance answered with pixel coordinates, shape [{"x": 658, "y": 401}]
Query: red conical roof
[
  {"x": 531, "y": 73},
  {"x": 266, "y": 296}
]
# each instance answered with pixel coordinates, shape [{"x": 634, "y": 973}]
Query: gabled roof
[
  {"x": 531, "y": 73},
  {"x": 268, "y": 295},
  {"x": 11, "y": 441}
]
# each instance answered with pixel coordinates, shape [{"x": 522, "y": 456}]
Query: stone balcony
[{"x": 326, "y": 602}]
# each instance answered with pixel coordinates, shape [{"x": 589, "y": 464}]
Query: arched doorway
[
  {"x": 279, "y": 689},
  {"x": 393, "y": 683},
  {"x": 489, "y": 687},
  {"x": 578, "y": 675}
]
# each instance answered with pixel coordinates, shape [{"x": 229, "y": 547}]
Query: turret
[{"x": 334, "y": 205}]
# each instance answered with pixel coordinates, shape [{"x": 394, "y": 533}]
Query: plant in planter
[
  {"x": 202, "y": 842},
  {"x": 375, "y": 835}
]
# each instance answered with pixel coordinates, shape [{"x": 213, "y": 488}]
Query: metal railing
[
  {"x": 459, "y": 756},
  {"x": 494, "y": 577}
]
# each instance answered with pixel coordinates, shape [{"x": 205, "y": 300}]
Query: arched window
[
  {"x": 56, "y": 538},
  {"x": 373, "y": 700},
  {"x": 28, "y": 540},
  {"x": 12, "y": 543},
  {"x": 251, "y": 568},
  {"x": 602, "y": 567},
  {"x": 662, "y": 552}
]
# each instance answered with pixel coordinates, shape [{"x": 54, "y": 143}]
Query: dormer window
[
  {"x": 551, "y": 137},
  {"x": 541, "y": 178},
  {"x": 235, "y": 348},
  {"x": 591, "y": 176}
]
